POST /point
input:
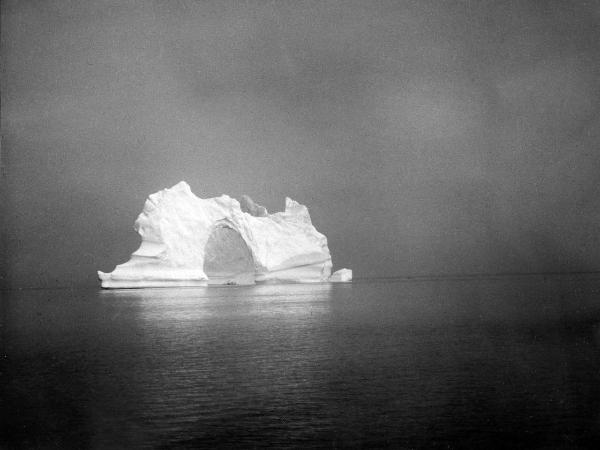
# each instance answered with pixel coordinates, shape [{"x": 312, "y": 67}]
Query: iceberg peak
[{"x": 254, "y": 209}]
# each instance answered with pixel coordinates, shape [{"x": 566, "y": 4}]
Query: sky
[{"x": 426, "y": 137}]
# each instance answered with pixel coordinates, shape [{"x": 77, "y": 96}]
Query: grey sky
[{"x": 426, "y": 137}]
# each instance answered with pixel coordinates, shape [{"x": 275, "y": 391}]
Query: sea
[{"x": 459, "y": 362}]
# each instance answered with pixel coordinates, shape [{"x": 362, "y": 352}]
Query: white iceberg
[
  {"x": 189, "y": 241},
  {"x": 341, "y": 276}
]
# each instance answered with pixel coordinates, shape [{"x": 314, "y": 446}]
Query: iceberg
[
  {"x": 341, "y": 276},
  {"x": 189, "y": 241}
]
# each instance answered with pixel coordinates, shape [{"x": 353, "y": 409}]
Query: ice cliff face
[{"x": 189, "y": 241}]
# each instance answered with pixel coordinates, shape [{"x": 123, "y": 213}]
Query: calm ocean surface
[{"x": 509, "y": 362}]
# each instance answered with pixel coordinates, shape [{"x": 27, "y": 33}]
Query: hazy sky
[{"x": 426, "y": 137}]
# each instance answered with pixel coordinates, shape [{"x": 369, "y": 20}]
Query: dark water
[{"x": 454, "y": 363}]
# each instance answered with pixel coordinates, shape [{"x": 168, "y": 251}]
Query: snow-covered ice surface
[{"x": 190, "y": 241}]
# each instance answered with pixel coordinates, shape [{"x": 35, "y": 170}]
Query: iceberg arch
[
  {"x": 227, "y": 257},
  {"x": 191, "y": 241}
]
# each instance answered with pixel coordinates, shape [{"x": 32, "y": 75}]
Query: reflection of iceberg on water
[{"x": 189, "y": 241}]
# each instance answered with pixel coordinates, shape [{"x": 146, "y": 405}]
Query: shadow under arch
[{"x": 227, "y": 257}]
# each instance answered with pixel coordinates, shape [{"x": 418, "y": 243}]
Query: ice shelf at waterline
[{"x": 190, "y": 241}]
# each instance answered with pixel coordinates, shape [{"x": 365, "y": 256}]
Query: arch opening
[{"x": 227, "y": 258}]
